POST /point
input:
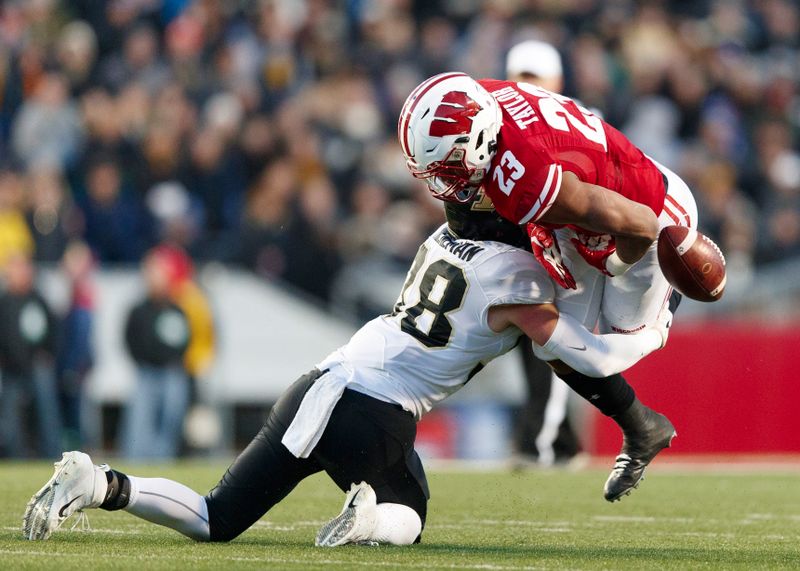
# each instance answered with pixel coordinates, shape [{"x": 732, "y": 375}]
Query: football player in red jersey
[{"x": 592, "y": 201}]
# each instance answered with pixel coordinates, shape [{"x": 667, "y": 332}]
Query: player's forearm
[
  {"x": 633, "y": 225},
  {"x": 597, "y": 355},
  {"x": 598, "y": 209},
  {"x": 631, "y": 250}
]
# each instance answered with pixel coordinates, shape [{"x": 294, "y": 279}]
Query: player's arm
[
  {"x": 596, "y": 208},
  {"x": 563, "y": 336}
]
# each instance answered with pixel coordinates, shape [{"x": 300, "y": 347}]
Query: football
[{"x": 692, "y": 263}]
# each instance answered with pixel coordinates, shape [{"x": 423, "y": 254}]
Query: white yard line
[
  {"x": 287, "y": 561},
  {"x": 643, "y": 519}
]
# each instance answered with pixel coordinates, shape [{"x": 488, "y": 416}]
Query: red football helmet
[{"x": 448, "y": 131}]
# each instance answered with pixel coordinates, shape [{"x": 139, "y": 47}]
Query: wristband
[{"x": 615, "y": 266}]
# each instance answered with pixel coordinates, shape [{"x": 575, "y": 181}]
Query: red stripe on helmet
[{"x": 411, "y": 104}]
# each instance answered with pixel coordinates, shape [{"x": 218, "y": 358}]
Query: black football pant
[{"x": 365, "y": 440}]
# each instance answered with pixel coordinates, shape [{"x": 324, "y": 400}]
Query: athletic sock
[
  {"x": 610, "y": 395},
  {"x": 634, "y": 419},
  {"x": 171, "y": 504},
  {"x": 396, "y": 524}
]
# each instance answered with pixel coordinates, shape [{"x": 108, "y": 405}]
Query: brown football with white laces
[{"x": 692, "y": 263}]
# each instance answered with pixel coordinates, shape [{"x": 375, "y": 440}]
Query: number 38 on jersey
[{"x": 440, "y": 290}]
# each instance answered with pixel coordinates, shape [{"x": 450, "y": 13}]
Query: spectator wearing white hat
[{"x": 535, "y": 62}]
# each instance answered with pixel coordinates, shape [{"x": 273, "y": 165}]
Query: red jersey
[{"x": 544, "y": 134}]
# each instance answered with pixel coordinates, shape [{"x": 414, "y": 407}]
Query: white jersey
[{"x": 438, "y": 335}]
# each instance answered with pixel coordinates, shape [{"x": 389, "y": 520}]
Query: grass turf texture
[{"x": 499, "y": 520}]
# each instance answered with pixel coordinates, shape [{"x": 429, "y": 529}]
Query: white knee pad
[{"x": 396, "y": 524}]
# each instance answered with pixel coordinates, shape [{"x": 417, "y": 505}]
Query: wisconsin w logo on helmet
[{"x": 454, "y": 115}]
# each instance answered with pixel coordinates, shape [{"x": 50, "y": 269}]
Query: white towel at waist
[{"x": 314, "y": 412}]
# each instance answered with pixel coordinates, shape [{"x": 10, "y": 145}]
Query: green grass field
[{"x": 498, "y": 520}]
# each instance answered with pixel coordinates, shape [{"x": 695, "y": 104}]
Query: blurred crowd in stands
[{"x": 261, "y": 133}]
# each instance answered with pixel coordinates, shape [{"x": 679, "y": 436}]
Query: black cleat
[{"x": 645, "y": 434}]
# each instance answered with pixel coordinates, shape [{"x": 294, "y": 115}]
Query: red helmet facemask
[{"x": 450, "y": 179}]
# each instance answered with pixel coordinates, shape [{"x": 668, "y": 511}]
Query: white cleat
[
  {"x": 355, "y": 523},
  {"x": 77, "y": 484}
]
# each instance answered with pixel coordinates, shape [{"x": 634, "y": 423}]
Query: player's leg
[
  {"x": 645, "y": 432},
  {"x": 543, "y": 431},
  {"x": 379, "y": 452},
  {"x": 264, "y": 473},
  {"x": 613, "y": 396},
  {"x": 629, "y": 303},
  {"x": 632, "y": 302},
  {"x": 259, "y": 478},
  {"x": 77, "y": 484}
]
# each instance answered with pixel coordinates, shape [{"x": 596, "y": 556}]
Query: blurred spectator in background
[
  {"x": 116, "y": 226},
  {"x": 728, "y": 217},
  {"x": 283, "y": 235},
  {"x": 367, "y": 285},
  {"x": 535, "y": 62},
  {"x": 177, "y": 216},
  {"x": 27, "y": 346},
  {"x": 157, "y": 335},
  {"x": 52, "y": 217},
  {"x": 543, "y": 434},
  {"x": 15, "y": 235},
  {"x": 75, "y": 353},
  {"x": 76, "y": 52},
  {"x": 48, "y": 127},
  {"x": 190, "y": 298},
  {"x": 137, "y": 62}
]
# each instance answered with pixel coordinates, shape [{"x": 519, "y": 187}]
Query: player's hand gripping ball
[{"x": 692, "y": 263}]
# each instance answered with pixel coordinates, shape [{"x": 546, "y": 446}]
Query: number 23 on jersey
[{"x": 508, "y": 172}]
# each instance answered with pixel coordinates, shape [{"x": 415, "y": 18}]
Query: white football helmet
[{"x": 448, "y": 131}]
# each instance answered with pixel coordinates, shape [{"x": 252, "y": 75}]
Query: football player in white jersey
[{"x": 469, "y": 295}]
